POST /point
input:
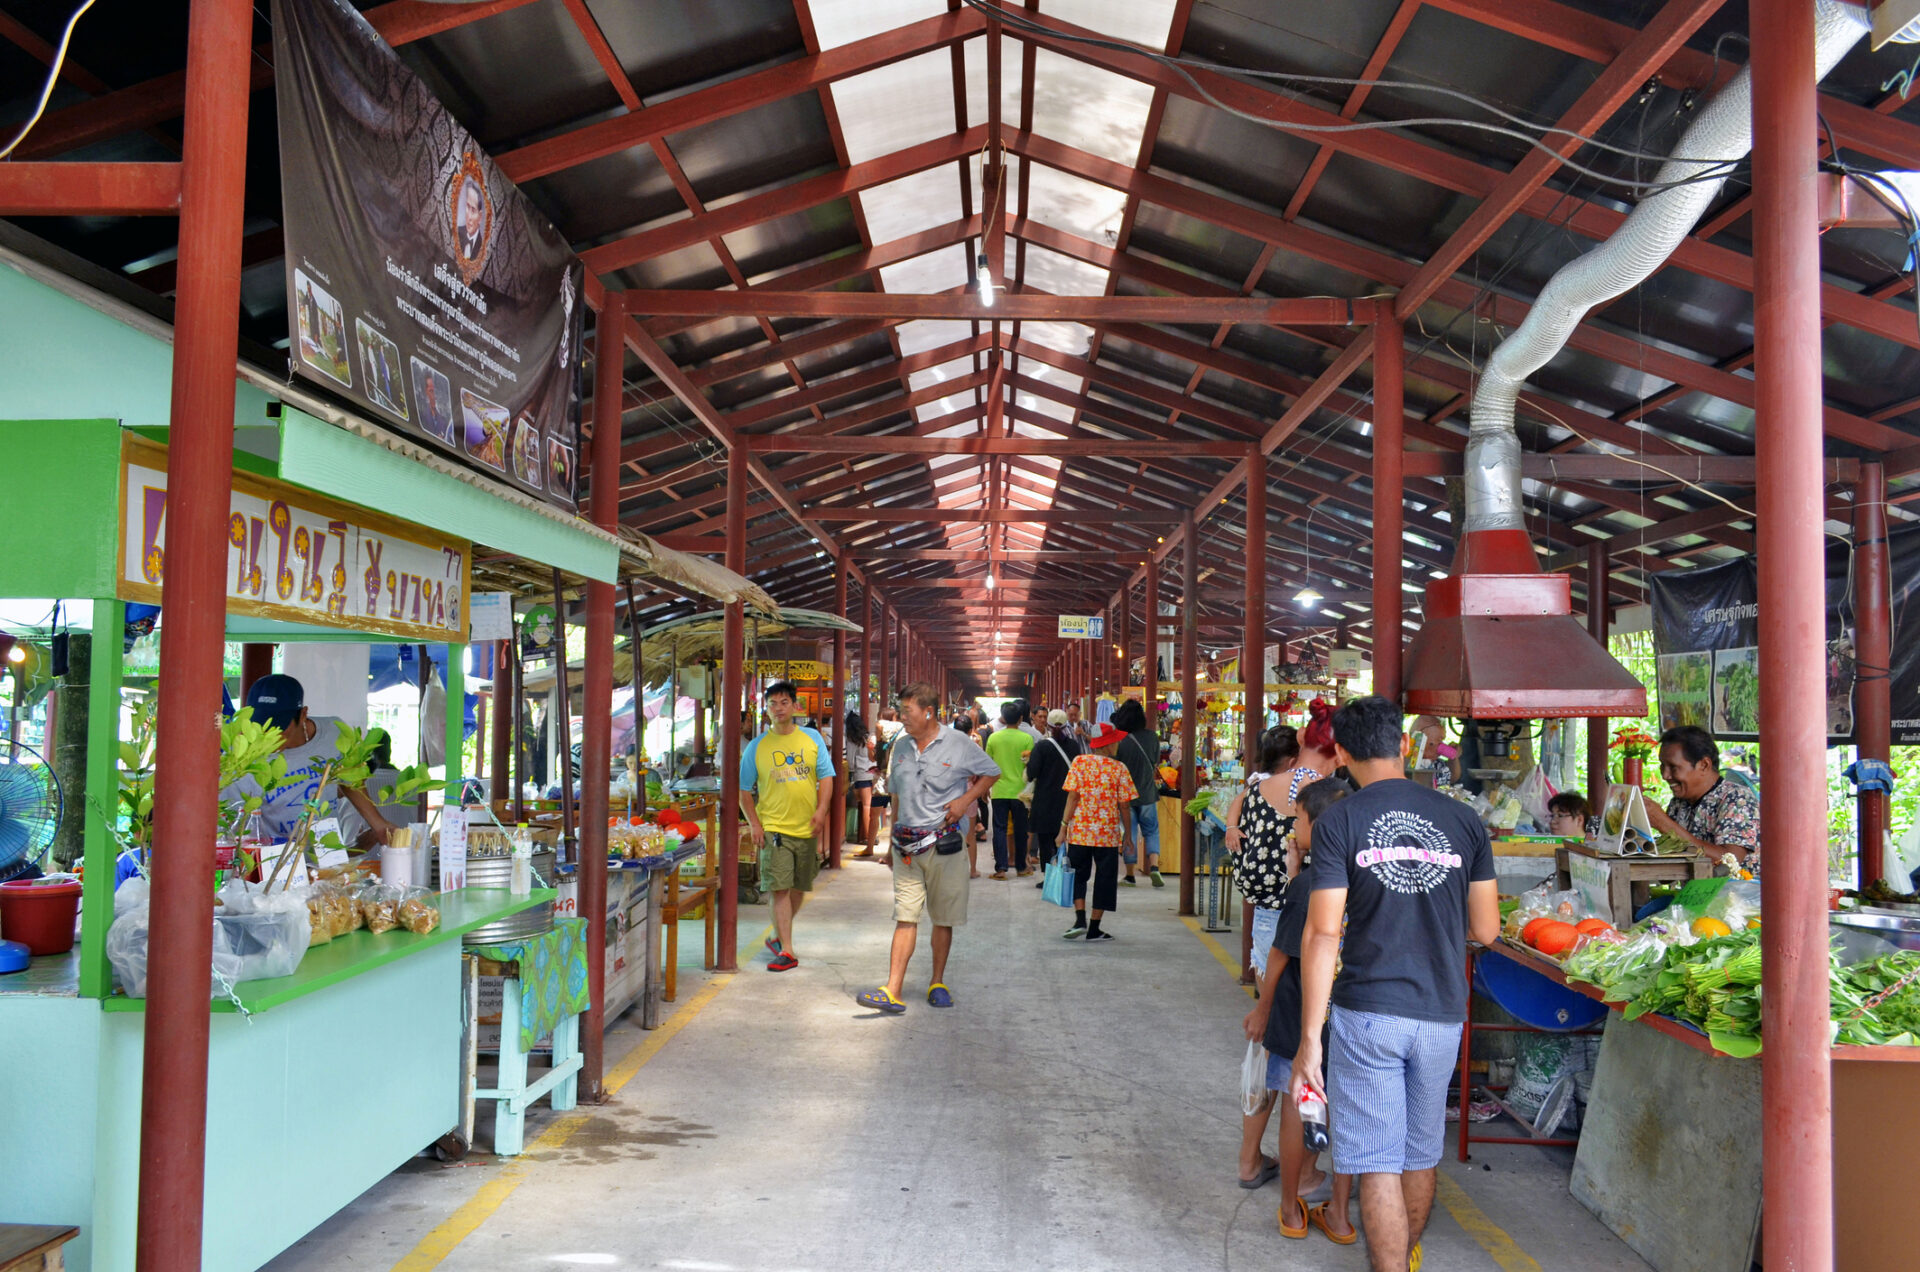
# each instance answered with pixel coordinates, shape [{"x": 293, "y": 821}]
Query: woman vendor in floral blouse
[{"x": 1709, "y": 811}]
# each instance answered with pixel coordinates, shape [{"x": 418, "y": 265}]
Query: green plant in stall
[
  {"x": 350, "y": 765},
  {"x": 249, "y": 748},
  {"x": 136, "y": 776}
]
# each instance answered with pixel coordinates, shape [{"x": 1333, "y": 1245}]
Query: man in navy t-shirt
[{"x": 1410, "y": 872}]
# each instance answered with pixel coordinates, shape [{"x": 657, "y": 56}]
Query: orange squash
[
  {"x": 1592, "y": 927},
  {"x": 1533, "y": 925},
  {"x": 1555, "y": 938}
]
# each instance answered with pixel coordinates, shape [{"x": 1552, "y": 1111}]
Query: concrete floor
[{"x": 1078, "y": 1109}]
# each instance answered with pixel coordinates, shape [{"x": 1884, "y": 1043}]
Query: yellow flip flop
[
  {"x": 1297, "y": 1234},
  {"x": 1317, "y": 1217}
]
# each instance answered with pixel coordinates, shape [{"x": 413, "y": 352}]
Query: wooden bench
[{"x": 30, "y": 1247}]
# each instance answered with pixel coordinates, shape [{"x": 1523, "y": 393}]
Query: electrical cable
[
  {"x": 53, "y": 77},
  {"x": 1717, "y": 169}
]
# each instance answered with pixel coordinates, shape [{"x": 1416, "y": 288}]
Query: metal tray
[{"x": 533, "y": 921}]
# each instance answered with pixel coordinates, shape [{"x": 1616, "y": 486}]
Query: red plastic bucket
[{"x": 39, "y": 915}]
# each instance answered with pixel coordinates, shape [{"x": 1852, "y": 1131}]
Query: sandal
[
  {"x": 1317, "y": 1217},
  {"x": 1300, "y": 1233},
  {"x": 1268, "y": 1169},
  {"x": 881, "y": 999}
]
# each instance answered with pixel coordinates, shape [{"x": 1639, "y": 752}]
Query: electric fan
[{"x": 29, "y": 808}]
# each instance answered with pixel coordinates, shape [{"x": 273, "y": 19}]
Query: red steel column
[
  {"x": 1796, "y": 1129},
  {"x": 1189, "y": 694},
  {"x": 732, "y": 695},
  {"x": 596, "y": 716},
  {"x": 173, "y": 1111},
  {"x": 500, "y": 780},
  {"x": 255, "y": 661},
  {"x": 866, "y": 659},
  {"x": 1873, "y": 651},
  {"x": 1599, "y": 618},
  {"x": 1389, "y": 427},
  {"x": 1253, "y": 672},
  {"x": 1150, "y": 668},
  {"x": 886, "y": 656},
  {"x": 1123, "y": 607},
  {"x": 837, "y": 818}
]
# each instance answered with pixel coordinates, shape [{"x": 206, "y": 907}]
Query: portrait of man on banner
[{"x": 471, "y": 211}]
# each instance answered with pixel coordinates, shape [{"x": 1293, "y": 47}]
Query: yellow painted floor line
[
  {"x": 1219, "y": 951},
  {"x": 1504, "y": 1251},
  {"x": 443, "y": 1240}
]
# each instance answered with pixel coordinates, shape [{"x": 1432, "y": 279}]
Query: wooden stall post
[
  {"x": 561, "y": 714},
  {"x": 1797, "y": 1117},
  {"x": 1150, "y": 675},
  {"x": 256, "y": 660},
  {"x": 173, "y": 1110}
]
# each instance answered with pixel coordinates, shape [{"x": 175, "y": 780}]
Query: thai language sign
[
  {"x": 301, "y": 558},
  {"x": 421, "y": 283},
  {"x": 1082, "y": 627}
]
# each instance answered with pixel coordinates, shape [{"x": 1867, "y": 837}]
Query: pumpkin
[
  {"x": 1592, "y": 927},
  {"x": 1533, "y": 925},
  {"x": 1555, "y": 938},
  {"x": 1708, "y": 926}
]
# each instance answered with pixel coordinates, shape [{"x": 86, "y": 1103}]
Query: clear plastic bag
[
  {"x": 380, "y": 907},
  {"x": 266, "y": 943},
  {"x": 1737, "y": 904},
  {"x": 127, "y": 952},
  {"x": 418, "y": 914},
  {"x": 1253, "y": 1079}
]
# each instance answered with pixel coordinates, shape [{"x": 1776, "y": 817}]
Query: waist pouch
[{"x": 911, "y": 841}]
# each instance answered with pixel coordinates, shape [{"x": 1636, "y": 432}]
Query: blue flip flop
[
  {"x": 880, "y": 1000},
  {"x": 939, "y": 995}
]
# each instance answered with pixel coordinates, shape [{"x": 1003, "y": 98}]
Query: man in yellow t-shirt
[{"x": 786, "y": 787}]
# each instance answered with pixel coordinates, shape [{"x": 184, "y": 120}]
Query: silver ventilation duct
[{"x": 1651, "y": 232}]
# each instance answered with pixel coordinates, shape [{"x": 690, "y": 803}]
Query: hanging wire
[{"x": 53, "y": 77}]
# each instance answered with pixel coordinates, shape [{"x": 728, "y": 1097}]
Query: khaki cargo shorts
[
  {"x": 933, "y": 885},
  {"x": 788, "y": 862}
]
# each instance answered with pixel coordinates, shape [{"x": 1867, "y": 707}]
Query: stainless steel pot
[{"x": 497, "y": 872}]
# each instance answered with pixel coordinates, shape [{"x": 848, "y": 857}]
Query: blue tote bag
[{"x": 1058, "y": 887}]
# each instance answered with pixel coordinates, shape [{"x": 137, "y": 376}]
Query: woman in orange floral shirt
[{"x": 1096, "y": 821}]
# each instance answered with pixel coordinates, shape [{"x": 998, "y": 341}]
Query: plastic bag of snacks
[
  {"x": 319, "y": 922},
  {"x": 417, "y": 912},
  {"x": 380, "y": 907}
]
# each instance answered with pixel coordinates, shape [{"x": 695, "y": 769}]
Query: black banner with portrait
[
  {"x": 1706, "y": 641},
  {"x": 421, "y": 284}
]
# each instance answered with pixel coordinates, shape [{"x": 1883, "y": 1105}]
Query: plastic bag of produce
[
  {"x": 127, "y": 952},
  {"x": 1253, "y": 1079},
  {"x": 418, "y": 914},
  {"x": 380, "y": 907},
  {"x": 1737, "y": 904},
  {"x": 267, "y": 943}
]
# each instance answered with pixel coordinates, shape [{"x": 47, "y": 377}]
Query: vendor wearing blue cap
[{"x": 310, "y": 741}]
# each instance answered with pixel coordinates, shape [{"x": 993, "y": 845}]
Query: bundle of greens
[
  {"x": 1200, "y": 803},
  {"x": 1620, "y": 968},
  {"x": 1877, "y": 1003},
  {"x": 1714, "y": 985}
]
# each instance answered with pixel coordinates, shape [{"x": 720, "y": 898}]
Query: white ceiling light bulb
[
  {"x": 1307, "y": 596},
  {"x": 989, "y": 580},
  {"x": 986, "y": 279}
]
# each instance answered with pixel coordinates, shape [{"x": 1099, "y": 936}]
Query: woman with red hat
[{"x": 1097, "y": 820}]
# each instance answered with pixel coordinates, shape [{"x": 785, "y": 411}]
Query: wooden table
[
  {"x": 1627, "y": 878},
  {"x": 31, "y": 1247}
]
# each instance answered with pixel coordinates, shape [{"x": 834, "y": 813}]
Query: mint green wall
[
  {"x": 60, "y": 360},
  {"x": 283, "y": 1155},
  {"x": 60, "y": 488}
]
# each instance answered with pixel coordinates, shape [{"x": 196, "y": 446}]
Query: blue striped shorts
[{"x": 1387, "y": 1080}]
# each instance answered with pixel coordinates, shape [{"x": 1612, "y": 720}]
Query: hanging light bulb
[
  {"x": 986, "y": 279},
  {"x": 989, "y": 580},
  {"x": 1307, "y": 596}
]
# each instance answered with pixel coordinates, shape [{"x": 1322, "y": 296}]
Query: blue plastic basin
[{"x": 1532, "y": 998}]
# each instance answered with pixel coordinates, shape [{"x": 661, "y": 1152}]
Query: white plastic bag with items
[
  {"x": 1535, "y": 790},
  {"x": 1253, "y": 1079},
  {"x": 127, "y": 952},
  {"x": 266, "y": 932}
]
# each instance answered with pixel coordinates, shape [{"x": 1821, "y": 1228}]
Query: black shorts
[
  {"x": 881, "y": 801},
  {"x": 863, "y": 786}
]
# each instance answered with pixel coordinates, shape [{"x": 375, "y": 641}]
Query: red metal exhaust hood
[{"x": 1499, "y": 642}]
